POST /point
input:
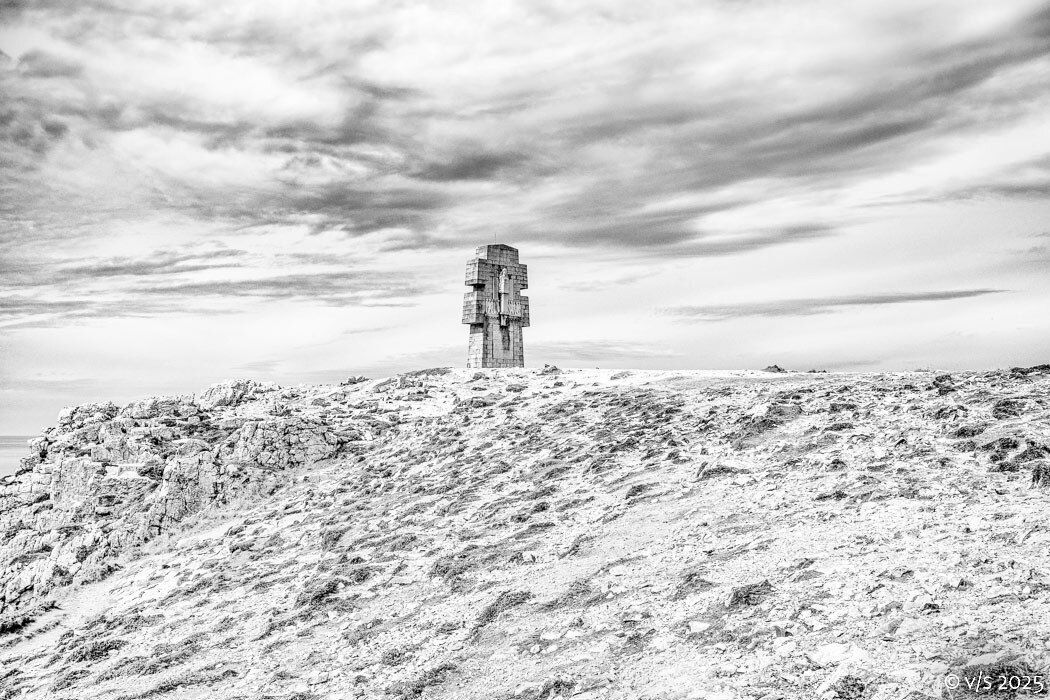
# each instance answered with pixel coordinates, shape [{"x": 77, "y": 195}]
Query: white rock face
[
  {"x": 230, "y": 394},
  {"x": 107, "y": 478}
]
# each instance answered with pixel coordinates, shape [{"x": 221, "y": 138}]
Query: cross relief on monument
[{"x": 495, "y": 308}]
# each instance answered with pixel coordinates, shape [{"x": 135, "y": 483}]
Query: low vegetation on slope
[{"x": 546, "y": 534}]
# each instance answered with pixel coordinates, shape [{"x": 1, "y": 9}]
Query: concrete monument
[{"x": 495, "y": 309}]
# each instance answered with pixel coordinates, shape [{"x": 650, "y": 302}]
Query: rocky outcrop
[
  {"x": 107, "y": 478},
  {"x": 546, "y": 534}
]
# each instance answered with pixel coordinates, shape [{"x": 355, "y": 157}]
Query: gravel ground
[{"x": 600, "y": 534}]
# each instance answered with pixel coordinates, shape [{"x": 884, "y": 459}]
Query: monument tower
[{"x": 495, "y": 309}]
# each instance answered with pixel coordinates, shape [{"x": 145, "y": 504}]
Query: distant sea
[{"x": 12, "y": 449}]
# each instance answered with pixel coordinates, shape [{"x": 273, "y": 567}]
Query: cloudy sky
[{"x": 194, "y": 191}]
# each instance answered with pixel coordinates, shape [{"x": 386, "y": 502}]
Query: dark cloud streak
[
  {"x": 25, "y": 273},
  {"x": 814, "y": 306},
  {"x": 340, "y": 288}
]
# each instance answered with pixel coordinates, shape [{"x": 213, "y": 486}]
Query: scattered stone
[
  {"x": 943, "y": 384},
  {"x": 750, "y": 594},
  {"x": 1040, "y": 473},
  {"x": 1007, "y": 408},
  {"x": 698, "y": 627}
]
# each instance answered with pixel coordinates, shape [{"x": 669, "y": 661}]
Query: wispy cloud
[
  {"x": 41, "y": 64},
  {"x": 47, "y": 292},
  {"x": 810, "y": 307},
  {"x": 583, "y": 146},
  {"x": 598, "y": 350},
  {"x": 598, "y": 285},
  {"x": 337, "y": 288},
  {"x": 30, "y": 273},
  {"x": 163, "y": 162}
]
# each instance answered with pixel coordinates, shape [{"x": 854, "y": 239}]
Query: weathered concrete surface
[{"x": 495, "y": 309}]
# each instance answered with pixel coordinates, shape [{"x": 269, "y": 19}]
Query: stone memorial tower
[{"x": 495, "y": 309}]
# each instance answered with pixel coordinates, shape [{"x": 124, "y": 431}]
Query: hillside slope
[{"x": 535, "y": 534}]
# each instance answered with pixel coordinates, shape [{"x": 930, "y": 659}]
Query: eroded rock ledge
[{"x": 107, "y": 477}]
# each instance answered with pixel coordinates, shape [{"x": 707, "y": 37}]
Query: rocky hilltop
[{"x": 536, "y": 534}]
